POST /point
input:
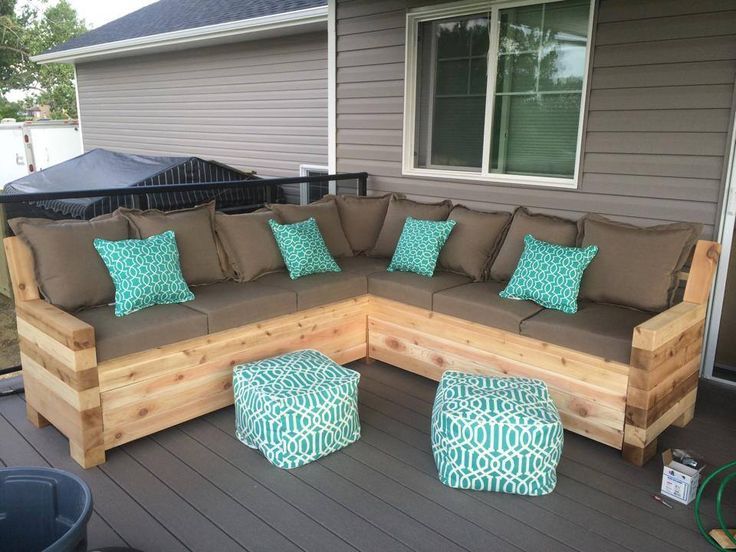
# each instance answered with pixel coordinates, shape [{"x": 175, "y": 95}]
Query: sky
[
  {"x": 98, "y": 12},
  {"x": 95, "y": 13}
]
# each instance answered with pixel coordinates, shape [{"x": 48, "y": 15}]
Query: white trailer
[{"x": 31, "y": 146}]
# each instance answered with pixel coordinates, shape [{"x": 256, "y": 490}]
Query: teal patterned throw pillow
[
  {"x": 550, "y": 274},
  {"x": 419, "y": 246},
  {"x": 303, "y": 248},
  {"x": 145, "y": 272}
]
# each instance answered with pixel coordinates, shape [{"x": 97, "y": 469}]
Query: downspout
[
  {"x": 79, "y": 109},
  {"x": 332, "y": 91}
]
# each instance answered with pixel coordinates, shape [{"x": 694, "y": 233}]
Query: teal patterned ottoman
[
  {"x": 496, "y": 434},
  {"x": 296, "y": 408}
]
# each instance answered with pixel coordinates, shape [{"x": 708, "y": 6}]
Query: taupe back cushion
[
  {"x": 249, "y": 245},
  {"x": 362, "y": 218},
  {"x": 542, "y": 227},
  {"x": 69, "y": 271},
  {"x": 328, "y": 221},
  {"x": 473, "y": 241},
  {"x": 635, "y": 267},
  {"x": 195, "y": 237},
  {"x": 393, "y": 224}
]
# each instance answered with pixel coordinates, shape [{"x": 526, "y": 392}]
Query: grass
[{"x": 9, "y": 354}]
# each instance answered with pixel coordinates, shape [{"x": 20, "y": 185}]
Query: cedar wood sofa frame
[{"x": 98, "y": 406}]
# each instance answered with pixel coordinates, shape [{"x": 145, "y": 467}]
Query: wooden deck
[{"x": 195, "y": 487}]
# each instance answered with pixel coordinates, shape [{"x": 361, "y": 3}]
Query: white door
[{"x": 722, "y": 292}]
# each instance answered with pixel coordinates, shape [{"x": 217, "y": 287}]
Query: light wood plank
[
  {"x": 62, "y": 326},
  {"x": 702, "y": 272},
  {"x": 20, "y": 266},
  {"x": 79, "y": 400},
  {"x": 548, "y": 356},
  {"x": 642, "y": 437},
  {"x": 74, "y": 360},
  {"x": 430, "y": 357},
  {"x": 296, "y": 327},
  {"x": 667, "y": 325},
  {"x": 720, "y": 536},
  {"x": 78, "y": 379}
]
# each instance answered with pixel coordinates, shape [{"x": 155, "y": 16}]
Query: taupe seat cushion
[
  {"x": 479, "y": 302},
  {"x": 602, "y": 330},
  {"x": 68, "y": 268},
  {"x": 411, "y": 288},
  {"x": 195, "y": 237},
  {"x": 231, "y": 304},
  {"x": 145, "y": 329},
  {"x": 319, "y": 289},
  {"x": 364, "y": 265}
]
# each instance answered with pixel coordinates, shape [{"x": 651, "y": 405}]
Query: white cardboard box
[{"x": 679, "y": 482}]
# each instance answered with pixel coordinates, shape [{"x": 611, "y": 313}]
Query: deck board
[{"x": 196, "y": 487}]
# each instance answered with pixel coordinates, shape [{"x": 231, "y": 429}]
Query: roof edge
[{"x": 220, "y": 31}]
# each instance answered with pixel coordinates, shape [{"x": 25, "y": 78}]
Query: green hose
[{"x": 719, "y": 511}]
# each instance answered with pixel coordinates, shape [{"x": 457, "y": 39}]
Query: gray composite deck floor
[{"x": 195, "y": 487}]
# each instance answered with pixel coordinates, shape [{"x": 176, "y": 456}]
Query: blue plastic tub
[{"x": 43, "y": 509}]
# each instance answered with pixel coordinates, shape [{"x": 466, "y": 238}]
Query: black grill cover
[{"x": 101, "y": 169}]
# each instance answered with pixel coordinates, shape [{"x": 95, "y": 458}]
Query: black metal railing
[{"x": 272, "y": 193}]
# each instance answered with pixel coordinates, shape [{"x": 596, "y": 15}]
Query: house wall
[
  {"x": 661, "y": 95},
  {"x": 255, "y": 105}
]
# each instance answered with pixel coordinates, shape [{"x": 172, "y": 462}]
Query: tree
[
  {"x": 12, "y": 110},
  {"x": 28, "y": 31}
]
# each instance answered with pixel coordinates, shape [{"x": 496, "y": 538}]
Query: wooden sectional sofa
[{"x": 99, "y": 405}]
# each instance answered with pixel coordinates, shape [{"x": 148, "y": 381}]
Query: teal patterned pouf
[
  {"x": 496, "y": 434},
  {"x": 296, "y": 408}
]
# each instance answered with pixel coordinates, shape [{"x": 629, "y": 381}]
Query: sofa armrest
[
  {"x": 65, "y": 328},
  {"x": 666, "y": 352},
  {"x": 59, "y": 359},
  {"x": 667, "y": 325}
]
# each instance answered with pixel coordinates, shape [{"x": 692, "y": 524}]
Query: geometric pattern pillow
[
  {"x": 549, "y": 274},
  {"x": 496, "y": 434},
  {"x": 303, "y": 248},
  {"x": 296, "y": 408},
  {"x": 419, "y": 246},
  {"x": 145, "y": 272}
]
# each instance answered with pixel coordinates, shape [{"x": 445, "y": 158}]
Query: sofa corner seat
[
  {"x": 319, "y": 289},
  {"x": 411, "y": 288}
]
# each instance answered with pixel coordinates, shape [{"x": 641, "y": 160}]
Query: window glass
[
  {"x": 451, "y": 93},
  {"x": 537, "y": 90},
  {"x": 539, "y": 86}
]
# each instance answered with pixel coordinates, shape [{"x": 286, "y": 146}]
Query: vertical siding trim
[
  {"x": 585, "y": 104},
  {"x": 79, "y": 108},
  {"x": 332, "y": 90}
]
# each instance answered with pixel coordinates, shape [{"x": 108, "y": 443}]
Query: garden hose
[{"x": 719, "y": 511}]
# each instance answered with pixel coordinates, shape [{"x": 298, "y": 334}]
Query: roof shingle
[{"x": 175, "y": 15}]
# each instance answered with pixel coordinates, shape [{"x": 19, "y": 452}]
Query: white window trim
[
  {"x": 468, "y": 7},
  {"x": 304, "y": 186}
]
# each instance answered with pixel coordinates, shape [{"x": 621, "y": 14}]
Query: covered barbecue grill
[{"x": 103, "y": 169}]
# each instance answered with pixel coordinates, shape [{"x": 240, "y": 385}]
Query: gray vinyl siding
[
  {"x": 258, "y": 105},
  {"x": 657, "y": 121}
]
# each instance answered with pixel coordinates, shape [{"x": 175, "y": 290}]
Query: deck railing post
[{"x": 363, "y": 184}]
